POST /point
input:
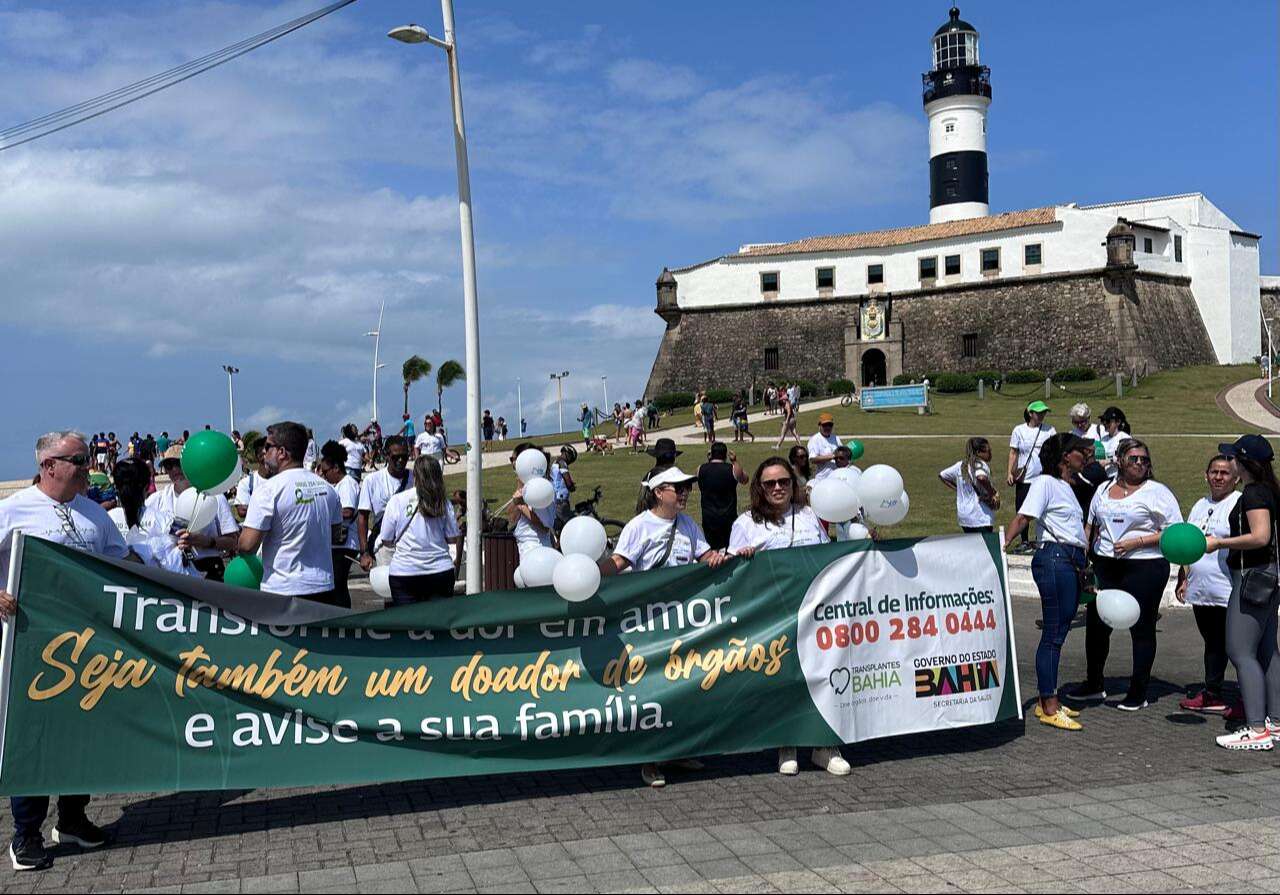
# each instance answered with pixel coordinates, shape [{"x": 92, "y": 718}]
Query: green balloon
[
  {"x": 244, "y": 571},
  {"x": 1182, "y": 544},
  {"x": 208, "y": 459},
  {"x": 1099, "y": 452},
  {"x": 857, "y": 449}
]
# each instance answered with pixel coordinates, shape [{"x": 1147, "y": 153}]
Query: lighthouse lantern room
[{"x": 957, "y": 93}]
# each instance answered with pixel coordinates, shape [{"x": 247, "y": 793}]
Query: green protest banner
[{"x": 116, "y": 677}]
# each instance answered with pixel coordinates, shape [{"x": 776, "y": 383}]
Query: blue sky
[{"x": 258, "y": 214}]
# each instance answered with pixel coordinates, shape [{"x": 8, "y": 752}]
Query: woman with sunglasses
[
  {"x": 1126, "y": 518},
  {"x": 777, "y": 520},
  {"x": 1059, "y": 559},
  {"x": 664, "y": 535}
]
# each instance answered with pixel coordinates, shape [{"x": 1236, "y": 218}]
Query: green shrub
[
  {"x": 991, "y": 376},
  {"x": 839, "y": 387},
  {"x": 673, "y": 400},
  {"x": 807, "y": 389},
  {"x": 1075, "y": 374},
  {"x": 954, "y": 383},
  {"x": 1024, "y": 376}
]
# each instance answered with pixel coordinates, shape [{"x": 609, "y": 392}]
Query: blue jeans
[{"x": 1054, "y": 569}]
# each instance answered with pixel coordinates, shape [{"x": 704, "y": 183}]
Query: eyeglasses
[
  {"x": 73, "y": 459},
  {"x": 269, "y": 445},
  {"x": 682, "y": 488},
  {"x": 770, "y": 484}
]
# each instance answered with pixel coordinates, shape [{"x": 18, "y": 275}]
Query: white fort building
[{"x": 1142, "y": 283}]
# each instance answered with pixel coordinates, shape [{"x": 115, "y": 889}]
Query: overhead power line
[{"x": 81, "y": 112}]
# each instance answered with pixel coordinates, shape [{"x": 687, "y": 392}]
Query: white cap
[{"x": 672, "y": 476}]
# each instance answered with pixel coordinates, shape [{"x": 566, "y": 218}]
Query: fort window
[
  {"x": 928, "y": 268},
  {"x": 875, "y": 273},
  {"x": 826, "y": 278},
  {"x": 1146, "y": 244},
  {"x": 990, "y": 260},
  {"x": 1031, "y": 255},
  {"x": 771, "y": 359},
  {"x": 952, "y": 265},
  {"x": 969, "y": 345},
  {"x": 1177, "y": 248},
  {"x": 769, "y": 282}
]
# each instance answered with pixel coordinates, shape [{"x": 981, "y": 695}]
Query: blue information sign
[{"x": 882, "y": 397}]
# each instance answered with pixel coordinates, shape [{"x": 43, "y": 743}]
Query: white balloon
[
  {"x": 576, "y": 578},
  {"x": 194, "y": 510},
  {"x": 833, "y": 500},
  {"x": 852, "y": 531},
  {"x": 583, "y": 535},
  {"x": 531, "y": 464},
  {"x": 232, "y": 480},
  {"x": 519, "y": 579},
  {"x": 878, "y": 485},
  {"x": 537, "y": 565},
  {"x": 380, "y": 580},
  {"x": 1117, "y": 608},
  {"x": 889, "y": 512},
  {"x": 850, "y": 475},
  {"x": 539, "y": 494},
  {"x": 117, "y": 516}
]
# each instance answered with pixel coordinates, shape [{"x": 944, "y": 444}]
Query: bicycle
[
  {"x": 848, "y": 400},
  {"x": 613, "y": 527}
]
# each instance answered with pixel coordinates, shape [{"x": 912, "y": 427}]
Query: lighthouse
[{"x": 957, "y": 93}]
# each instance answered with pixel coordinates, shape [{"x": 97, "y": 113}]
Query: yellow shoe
[
  {"x": 1059, "y": 720},
  {"x": 1070, "y": 713}
]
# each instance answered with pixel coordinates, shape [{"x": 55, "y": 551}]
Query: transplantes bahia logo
[
  {"x": 861, "y": 678},
  {"x": 959, "y": 673}
]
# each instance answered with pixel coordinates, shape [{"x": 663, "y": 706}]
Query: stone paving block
[
  {"x": 671, "y": 875},
  {"x": 388, "y": 884},
  {"x": 564, "y": 884},
  {"x": 496, "y": 876},
  {"x": 213, "y": 887}
]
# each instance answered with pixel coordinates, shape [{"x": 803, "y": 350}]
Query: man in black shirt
[{"x": 718, "y": 481}]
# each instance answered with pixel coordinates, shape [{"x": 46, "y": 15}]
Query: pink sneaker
[
  {"x": 1247, "y": 740},
  {"x": 1235, "y": 714},
  {"x": 1205, "y": 702}
]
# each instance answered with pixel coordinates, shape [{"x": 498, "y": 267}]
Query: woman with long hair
[
  {"x": 976, "y": 498},
  {"x": 1113, "y": 428},
  {"x": 147, "y": 531},
  {"x": 788, "y": 411},
  {"x": 1059, "y": 559},
  {"x": 775, "y": 521},
  {"x": 355, "y": 451},
  {"x": 332, "y": 468},
  {"x": 798, "y": 459},
  {"x": 1255, "y": 600},
  {"x": 1126, "y": 518},
  {"x": 421, "y": 525}
]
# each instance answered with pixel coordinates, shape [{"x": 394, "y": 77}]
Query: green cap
[{"x": 1038, "y": 407}]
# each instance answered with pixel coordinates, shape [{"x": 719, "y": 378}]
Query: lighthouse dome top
[{"x": 955, "y": 24}]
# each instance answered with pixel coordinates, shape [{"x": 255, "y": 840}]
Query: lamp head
[{"x": 409, "y": 34}]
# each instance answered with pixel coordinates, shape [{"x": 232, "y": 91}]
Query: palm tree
[
  {"x": 449, "y": 373},
  {"x": 413, "y": 369}
]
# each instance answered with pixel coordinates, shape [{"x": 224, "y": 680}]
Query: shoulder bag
[{"x": 1258, "y": 585}]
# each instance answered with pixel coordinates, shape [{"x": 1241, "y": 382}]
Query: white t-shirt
[
  {"x": 1052, "y": 501},
  {"x": 820, "y": 445},
  {"x": 799, "y": 528},
  {"x": 421, "y": 545},
  {"x": 1208, "y": 581},
  {"x": 528, "y": 537},
  {"x": 970, "y": 512},
  {"x": 349, "y": 499},
  {"x": 1111, "y": 442},
  {"x": 311, "y": 455},
  {"x": 644, "y": 540},
  {"x": 296, "y": 510},
  {"x": 245, "y": 488},
  {"x": 1091, "y": 432},
  {"x": 355, "y": 453},
  {"x": 155, "y": 546},
  {"x": 1146, "y": 511},
  {"x": 1027, "y": 440},
  {"x": 380, "y": 487},
  {"x": 224, "y": 523},
  {"x": 431, "y": 444},
  {"x": 78, "y": 523}
]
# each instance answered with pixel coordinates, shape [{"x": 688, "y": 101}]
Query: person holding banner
[
  {"x": 777, "y": 520},
  {"x": 207, "y": 546},
  {"x": 1126, "y": 518},
  {"x": 295, "y": 517},
  {"x": 1058, "y": 563},
  {"x": 422, "y": 528},
  {"x": 660, "y": 537},
  {"x": 55, "y": 509}
]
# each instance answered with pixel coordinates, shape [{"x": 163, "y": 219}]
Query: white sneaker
[
  {"x": 787, "y": 764},
  {"x": 1273, "y": 728},
  {"x": 1247, "y": 740},
  {"x": 652, "y": 775},
  {"x": 831, "y": 761}
]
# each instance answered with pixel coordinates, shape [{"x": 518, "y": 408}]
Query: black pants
[
  {"x": 717, "y": 531},
  {"x": 407, "y": 589},
  {"x": 29, "y": 812},
  {"x": 1019, "y": 495},
  {"x": 341, "y": 570},
  {"x": 1212, "y": 622},
  {"x": 1145, "y": 580}
]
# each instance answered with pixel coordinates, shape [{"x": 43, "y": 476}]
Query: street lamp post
[
  {"x": 377, "y": 339},
  {"x": 475, "y": 496},
  {"x": 519, "y": 410},
  {"x": 559, "y": 378},
  {"x": 605, "y": 381},
  {"x": 231, "y": 394}
]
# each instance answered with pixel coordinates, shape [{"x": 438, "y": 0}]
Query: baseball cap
[
  {"x": 672, "y": 476},
  {"x": 1250, "y": 447},
  {"x": 824, "y": 418},
  {"x": 1038, "y": 407}
]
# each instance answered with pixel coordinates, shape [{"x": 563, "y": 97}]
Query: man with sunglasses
[{"x": 55, "y": 509}]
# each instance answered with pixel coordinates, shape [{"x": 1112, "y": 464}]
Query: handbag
[{"x": 1258, "y": 585}]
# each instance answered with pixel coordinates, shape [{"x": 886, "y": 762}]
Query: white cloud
[{"x": 653, "y": 81}]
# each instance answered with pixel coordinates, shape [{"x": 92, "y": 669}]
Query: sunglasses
[
  {"x": 1138, "y": 461},
  {"x": 682, "y": 488},
  {"x": 79, "y": 460},
  {"x": 770, "y": 484}
]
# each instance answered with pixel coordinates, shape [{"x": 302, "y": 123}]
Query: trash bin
[{"x": 500, "y": 560}]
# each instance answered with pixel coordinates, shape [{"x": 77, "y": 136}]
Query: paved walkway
[
  {"x": 1135, "y": 802},
  {"x": 1242, "y": 401}
]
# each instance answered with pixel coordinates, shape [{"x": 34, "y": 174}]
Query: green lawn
[{"x": 1165, "y": 404}]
